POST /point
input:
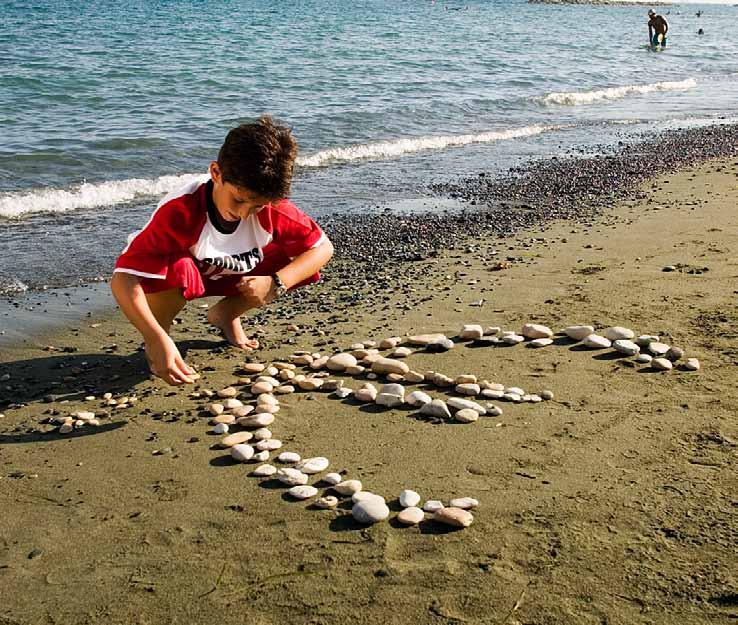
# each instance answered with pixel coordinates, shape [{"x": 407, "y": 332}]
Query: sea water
[{"x": 105, "y": 107}]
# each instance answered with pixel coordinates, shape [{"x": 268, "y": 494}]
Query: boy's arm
[{"x": 164, "y": 357}]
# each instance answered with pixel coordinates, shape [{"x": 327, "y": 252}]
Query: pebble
[
  {"x": 544, "y": 342},
  {"x": 318, "y": 464},
  {"x": 461, "y": 404},
  {"x": 284, "y": 389},
  {"x": 494, "y": 411},
  {"x": 466, "y": 415},
  {"x": 465, "y": 379},
  {"x": 433, "y": 505},
  {"x": 236, "y": 439},
  {"x": 228, "y": 419},
  {"x": 536, "y": 331},
  {"x": 644, "y": 339},
  {"x": 327, "y": 502},
  {"x": 389, "y": 343},
  {"x": 692, "y": 364},
  {"x": 578, "y": 333},
  {"x": 441, "y": 344},
  {"x": 220, "y": 428},
  {"x": 264, "y": 470},
  {"x": 370, "y": 511},
  {"x": 471, "y": 332},
  {"x": 292, "y": 477},
  {"x": 348, "y": 487},
  {"x": 216, "y": 409},
  {"x": 302, "y": 492},
  {"x": 468, "y": 389},
  {"x": 595, "y": 341},
  {"x": 66, "y": 428},
  {"x": 366, "y": 393},
  {"x": 288, "y": 456},
  {"x": 512, "y": 397},
  {"x": 626, "y": 347},
  {"x": 644, "y": 358},
  {"x": 253, "y": 367},
  {"x": 242, "y": 453},
  {"x": 675, "y": 353},
  {"x": 318, "y": 363},
  {"x": 512, "y": 339},
  {"x": 424, "y": 339},
  {"x": 411, "y": 516},
  {"x": 262, "y": 387},
  {"x": 363, "y": 495},
  {"x": 662, "y": 364},
  {"x": 657, "y": 348},
  {"x": 388, "y": 365},
  {"x": 418, "y": 398},
  {"x": 618, "y": 333},
  {"x": 340, "y": 362},
  {"x": 465, "y": 503},
  {"x": 343, "y": 392},
  {"x": 261, "y": 456},
  {"x": 262, "y": 434},
  {"x": 332, "y": 478},
  {"x": 228, "y": 391},
  {"x": 309, "y": 384},
  {"x": 515, "y": 390},
  {"x": 409, "y": 498},
  {"x": 269, "y": 444},
  {"x": 391, "y": 401},
  {"x": 455, "y": 517},
  {"x": 242, "y": 411},
  {"x": 401, "y": 352},
  {"x": 436, "y": 408},
  {"x": 491, "y": 393},
  {"x": 413, "y": 377},
  {"x": 231, "y": 403}
]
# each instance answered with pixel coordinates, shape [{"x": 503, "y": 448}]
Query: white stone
[
  {"x": 413, "y": 377},
  {"x": 370, "y": 511},
  {"x": 318, "y": 464},
  {"x": 541, "y": 342},
  {"x": 512, "y": 397},
  {"x": 595, "y": 341},
  {"x": 512, "y": 339},
  {"x": 465, "y": 379},
  {"x": 424, "y": 339},
  {"x": 228, "y": 419},
  {"x": 261, "y": 420},
  {"x": 692, "y": 364},
  {"x": 644, "y": 358},
  {"x": 220, "y": 428},
  {"x": 515, "y": 389},
  {"x": 366, "y": 394},
  {"x": 657, "y": 348},
  {"x": 409, "y": 498},
  {"x": 433, "y": 505},
  {"x": 391, "y": 401},
  {"x": 491, "y": 393},
  {"x": 418, "y": 398},
  {"x": 536, "y": 331},
  {"x": 471, "y": 332},
  {"x": 292, "y": 477},
  {"x": 242, "y": 452},
  {"x": 340, "y": 362},
  {"x": 302, "y": 492},
  {"x": 231, "y": 403},
  {"x": 262, "y": 387},
  {"x": 264, "y": 470},
  {"x": 343, "y": 392},
  {"x": 236, "y": 439},
  {"x": 401, "y": 352},
  {"x": 644, "y": 339},
  {"x": 468, "y": 389},
  {"x": 216, "y": 409},
  {"x": 494, "y": 411},
  {"x": 269, "y": 444},
  {"x": 66, "y": 428},
  {"x": 347, "y": 487},
  {"x": 662, "y": 364},
  {"x": 243, "y": 411},
  {"x": 579, "y": 333},
  {"x": 261, "y": 456},
  {"x": 262, "y": 434},
  {"x": 465, "y": 503},
  {"x": 460, "y": 404},
  {"x": 327, "y": 502},
  {"x": 618, "y": 333},
  {"x": 267, "y": 399},
  {"x": 436, "y": 408},
  {"x": 363, "y": 495},
  {"x": 252, "y": 367},
  {"x": 288, "y": 456},
  {"x": 309, "y": 384},
  {"x": 389, "y": 343},
  {"x": 626, "y": 347},
  {"x": 332, "y": 478},
  {"x": 229, "y": 391},
  {"x": 466, "y": 415},
  {"x": 411, "y": 516}
]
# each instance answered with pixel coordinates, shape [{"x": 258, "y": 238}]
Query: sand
[{"x": 613, "y": 503}]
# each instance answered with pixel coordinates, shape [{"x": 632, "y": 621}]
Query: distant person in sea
[
  {"x": 235, "y": 235},
  {"x": 657, "y": 29}
]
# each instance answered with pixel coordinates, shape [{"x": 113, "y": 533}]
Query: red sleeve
[
  {"x": 172, "y": 229},
  {"x": 292, "y": 230}
]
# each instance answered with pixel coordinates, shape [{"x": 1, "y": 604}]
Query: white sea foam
[
  {"x": 576, "y": 98},
  {"x": 398, "y": 147},
  {"x": 92, "y": 195}
]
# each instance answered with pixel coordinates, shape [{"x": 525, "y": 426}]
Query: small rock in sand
[
  {"x": 340, "y": 362},
  {"x": 465, "y": 503},
  {"x": 327, "y": 502},
  {"x": 675, "y": 353},
  {"x": 436, "y": 408},
  {"x": 302, "y": 492},
  {"x": 242, "y": 452},
  {"x": 409, "y": 498},
  {"x": 236, "y": 439},
  {"x": 370, "y": 511},
  {"x": 494, "y": 411},
  {"x": 288, "y": 456},
  {"x": 231, "y": 403},
  {"x": 618, "y": 333},
  {"x": 264, "y": 470},
  {"x": 644, "y": 358},
  {"x": 228, "y": 391},
  {"x": 455, "y": 517},
  {"x": 318, "y": 464},
  {"x": 269, "y": 444},
  {"x": 411, "y": 516},
  {"x": 262, "y": 434},
  {"x": 692, "y": 364},
  {"x": 261, "y": 456},
  {"x": 595, "y": 341},
  {"x": 662, "y": 364},
  {"x": 220, "y": 428},
  {"x": 256, "y": 421},
  {"x": 468, "y": 389},
  {"x": 536, "y": 331},
  {"x": 544, "y": 342},
  {"x": 418, "y": 398},
  {"x": 401, "y": 352},
  {"x": 332, "y": 478},
  {"x": 626, "y": 347},
  {"x": 512, "y": 339},
  {"x": 413, "y": 377},
  {"x": 216, "y": 409},
  {"x": 578, "y": 333},
  {"x": 347, "y": 487},
  {"x": 466, "y": 415},
  {"x": 658, "y": 348},
  {"x": 460, "y": 404},
  {"x": 471, "y": 332},
  {"x": 292, "y": 477},
  {"x": 262, "y": 387},
  {"x": 433, "y": 505},
  {"x": 388, "y": 365}
]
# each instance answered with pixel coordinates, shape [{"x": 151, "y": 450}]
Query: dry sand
[{"x": 614, "y": 503}]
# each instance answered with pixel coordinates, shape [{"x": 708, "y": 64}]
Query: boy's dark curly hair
[{"x": 260, "y": 157}]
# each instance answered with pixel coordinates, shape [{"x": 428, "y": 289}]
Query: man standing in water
[{"x": 657, "y": 29}]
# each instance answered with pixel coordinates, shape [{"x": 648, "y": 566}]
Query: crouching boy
[{"x": 235, "y": 235}]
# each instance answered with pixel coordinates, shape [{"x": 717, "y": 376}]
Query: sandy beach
[{"x": 614, "y": 502}]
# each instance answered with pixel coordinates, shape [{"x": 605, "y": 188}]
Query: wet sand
[{"x": 615, "y": 502}]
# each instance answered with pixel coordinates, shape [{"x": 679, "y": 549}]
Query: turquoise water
[{"x": 101, "y": 103}]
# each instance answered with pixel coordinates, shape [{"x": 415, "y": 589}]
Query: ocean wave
[
  {"x": 109, "y": 193},
  {"x": 577, "y": 98}
]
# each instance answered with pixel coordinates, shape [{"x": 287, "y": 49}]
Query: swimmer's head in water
[{"x": 651, "y": 12}]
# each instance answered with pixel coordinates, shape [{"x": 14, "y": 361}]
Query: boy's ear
[{"x": 215, "y": 172}]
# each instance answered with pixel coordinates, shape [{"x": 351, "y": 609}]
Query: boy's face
[{"x": 233, "y": 202}]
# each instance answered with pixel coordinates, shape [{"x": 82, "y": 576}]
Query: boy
[
  {"x": 235, "y": 235},
  {"x": 657, "y": 29}
]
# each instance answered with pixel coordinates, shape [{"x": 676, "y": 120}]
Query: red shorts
[{"x": 183, "y": 273}]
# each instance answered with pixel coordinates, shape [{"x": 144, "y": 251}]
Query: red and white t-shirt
[{"x": 185, "y": 221}]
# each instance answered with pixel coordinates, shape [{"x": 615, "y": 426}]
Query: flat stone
[
  {"x": 261, "y": 456},
  {"x": 340, "y": 362},
  {"x": 288, "y": 456},
  {"x": 236, "y": 439},
  {"x": 411, "y": 515},
  {"x": 465, "y": 503},
  {"x": 644, "y": 358},
  {"x": 243, "y": 411},
  {"x": 228, "y": 419},
  {"x": 348, "y": 487},
  {"x": 260, "y": 420},
  {"x": 413, "y": 377},
  {"x": 343, "y": 392},
  {"x": 579, "y": 333},
  {"x": 262, "y": 387},
  {"x": 401, "y": 352},
  {"x": 468, "y": 389},
  {"x": 662, "y": 364},
  {"x": 363, "y": 495},
  {"x": 366, "y": 394},
  {"x": 436, "y": 408},
  {"x": 494, "y": 411},
  {"x": 544, "y": 342},
  {"x": 547, "y": 395},
  {"x": 626, "y": 347},
  {"x": 216, "y": 409},
  {"x": 242, "y": 452},
  {"x": 512, "y": 339},
  {"x": 318, "y": 464},
  {"x": 309, "y": 384},
  {"x": 370, "y": 511},
  {"x": 465, "y": 379},
  {"x": 595, "y": 341},
  {"x": 264, "y": 470},
  {"x": 292, "y": 477},
  {"x": 318, "y": 363},
  {"x": 269, "y": 444},
  {"x": 390, "y": 343},
  {"x": 391, "y": 401},
  {"x": 253, "y": 367},
  {"x": 424, "y": 339},
  {"x": 332, "y": 478},
  {"x": 491, "y": 393},
  {"x": 388, "y": 365},
  {"x": 409, "y": 498},
  {"x": 471, "y": 332},
  {"x": 228, "y": 391},
  {"x": 692, "y": 364},
  {"x": 262, "y": 434},
  {"x": 302, "y": 492},
  {"x": 644, "y": 339},
  {"x": 461, "y": 404},
  {"x": 658, "y": 349},
  {"x": 455, "y": 517},
  {"x": 619, "y": 333},
  {"x": 536, "y": 331},
  {"x": 433, "y": 505},
  {"x": 231, "y": 403},
  {"x": 466, "y": 415},
  {"x": 512, "y": 397},
  {"x": 284, "y": 389},
  {"x": 441, "y": 344},
  {"x": 220, "y": 428},
  {"x": 327, "y": 502},
  {"x": 418, "y": 398}
]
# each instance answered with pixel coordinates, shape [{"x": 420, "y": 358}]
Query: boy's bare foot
[{"x": 233, "y": 332}]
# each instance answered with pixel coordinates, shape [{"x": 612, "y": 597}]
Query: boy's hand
[
  {"x": 167, "y": 363},
  {"x": 256, "y": 290}
]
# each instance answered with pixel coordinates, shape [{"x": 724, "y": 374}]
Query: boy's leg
[
  {"x": 226, "y": 315},
  {"x": 165, "y": 305}
]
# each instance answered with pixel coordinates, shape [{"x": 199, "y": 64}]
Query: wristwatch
[{"x": 279, "y": 286}]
